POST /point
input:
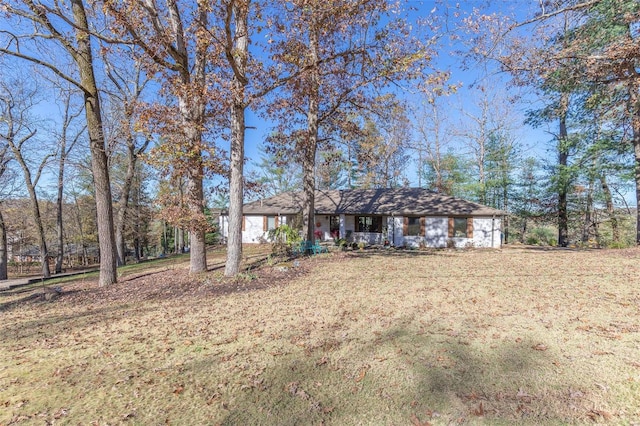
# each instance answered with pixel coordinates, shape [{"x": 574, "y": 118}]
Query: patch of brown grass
[{"x": 499, "y": 337}]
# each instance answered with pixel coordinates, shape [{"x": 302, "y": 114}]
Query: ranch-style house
[{"x": 410, "y": 217}]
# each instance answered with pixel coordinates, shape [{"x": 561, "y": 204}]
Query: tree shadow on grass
[
  {"x": 401, "y": 377},
  {"x": 401, "y": 253},
  {"x": 32, "y": 295},
  {"x": 62, "y": 324}
]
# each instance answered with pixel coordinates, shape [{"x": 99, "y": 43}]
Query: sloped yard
[{"x": 383, "y": 338}]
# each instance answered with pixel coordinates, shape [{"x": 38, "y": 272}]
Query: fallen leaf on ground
[
  {"x": 595, "y": 414},
  {"x": 362, "y": 373},
  {"x": 479, "y": 411},
  {"x": 415, "y": 421}
]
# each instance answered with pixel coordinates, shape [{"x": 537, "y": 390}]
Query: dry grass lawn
[{"x": 518, "y": 336}]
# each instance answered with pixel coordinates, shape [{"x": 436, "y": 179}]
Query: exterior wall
[
  {"x": 395, "y": 230},
  {"x": 437, "y": 234},
  {"x": 436, "y": 231},
  {"x": 368, "y": 237},
  {"x": 325, "y": 233},
  {"x": 349, "y": 227},
  {"x": 223, "y": 224},
  {"x": 253, "y": 228},
  {"x": 484, "y": 229}
]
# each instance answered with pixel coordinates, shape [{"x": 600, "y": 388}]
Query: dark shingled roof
[{"x": 399, "y": 202}]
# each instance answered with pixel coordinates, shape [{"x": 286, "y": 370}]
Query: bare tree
[
  {"x": 128, "y": 85},
  {"x": 177, "y": 48},
  {"x": 18, "y": 133},
  {"x": 66, "y": 141},
  {"x": 4, "y": 161},
  {"x": 61, "y": 35}
]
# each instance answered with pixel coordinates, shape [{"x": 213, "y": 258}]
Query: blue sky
[
  {"x": 534, "y": 142},
  {"x": 450, "y": 59}
]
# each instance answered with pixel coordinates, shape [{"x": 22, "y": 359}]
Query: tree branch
[{"x": 40, "y": 62}]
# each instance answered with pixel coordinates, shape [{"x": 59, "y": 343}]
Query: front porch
[{"x": 371, "y": 230}]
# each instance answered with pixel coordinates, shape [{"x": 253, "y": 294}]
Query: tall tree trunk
[
  {"x": 165, "y": 243},
  {"x": 175, "y": 239},
  {"x": 64, "y": 152},
  {"x": 181, "y": 240},
  {"x": 234, "y": 241},
  {"x": 192, "y": 114},
  {"x": 635, "y": 123},
  {"x": 608, "y": 199},
  {"x": 3, "y": 250},
  {"x": 37, "y": 217},
  {"x": 136, "y": 220},
  {"x": 636, "y": 149},
  {"x": 99, "y": 166},
  {"x": 179, "y": 237},
  {"x": 197, "y": 246},
  {"x": 123, "y": 205},
  {"x": 311, "y": 143},
  {"x": 588, "y": 219},
  {"x": 16, "y": 148},
  {"x": 505, "y": 200},
  {"x": 81, "y": 231},
  {"x": 59, "y": 201},
  {"x": 563, "y": 183},
  {"x": 238, "y": 60}
]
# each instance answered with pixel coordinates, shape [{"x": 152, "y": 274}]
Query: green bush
[
  {"x": 619, "y": 244},
  {"x": 284, "y": 234},
  {"x": 542, "y": 236},
  {"x": 211, "y": 238},
  {"x": 284, "y": 238}
]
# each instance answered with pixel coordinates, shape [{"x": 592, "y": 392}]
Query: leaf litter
[{"x": 462, "y": 334}]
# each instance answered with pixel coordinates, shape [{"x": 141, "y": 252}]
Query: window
[
  {"x": 369, "y": 224},
  {"x": 413, "y": 226},
  {"x": 269, "y": 223},
  {"x": 460, "y": 227}
]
